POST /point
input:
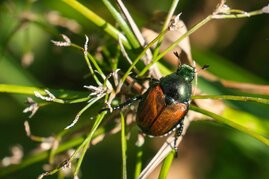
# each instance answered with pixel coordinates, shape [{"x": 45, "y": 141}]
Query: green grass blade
[
  {"x": 123, "y": 148},
  {"x": 62, "y": 96},
  {"x": 166, "y": 165},
  {"x": 234, "y": 98},
  {"x": 138, "y": 164},
  {"x": 232, "y": 124},
  {"x": 122, "y": 23},
  {"x": 100, "y": 22}
]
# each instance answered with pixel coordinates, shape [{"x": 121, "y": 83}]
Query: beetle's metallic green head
[{"x": 187, "y": 72}]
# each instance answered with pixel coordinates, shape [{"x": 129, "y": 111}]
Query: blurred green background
[{"x": 209, "y": 150}]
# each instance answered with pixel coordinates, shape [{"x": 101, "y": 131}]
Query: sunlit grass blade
[
  {"x": 232, "y": 124},
  {"x": 63, "y": 96},
  {"x": 166, "y": 165},
  {"x": 100, "y": 22},
  {"x": 122, "y": 23},
  {"x": 138, "y": 164}
]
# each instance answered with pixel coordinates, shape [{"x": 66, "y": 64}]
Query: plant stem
[
  {"x": 230, "y": 123},
  {"x": 86, "y": 57},
  {"x": 67, "y": 95},
  {"x": 175, "y": 43},
  {"x": 97, "y": 20},
  {"x": 231, "y": 97},
  {"x": 196, "y": 27},
  {"x": 165, "y": 26},
  {"x": 141, "y": 55},
  {"x": 85, "y": 145},
  {"x": 138, "y": 165},
  {"x": 122, "y": 23},
  {"x": 167, "y": 165},
  {"x": 123, "y": 147},
  {"x": 237, "y": 16}
]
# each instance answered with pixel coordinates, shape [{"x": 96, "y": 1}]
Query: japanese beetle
[{"x": 165, "y": 104}]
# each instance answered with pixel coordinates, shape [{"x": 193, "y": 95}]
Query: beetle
[{"x": 164, "y": 105}]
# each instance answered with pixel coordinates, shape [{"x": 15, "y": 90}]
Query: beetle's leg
[
  {"x": 126, "y": 103},
  {"x": 180, "y": 129},
  {"x": 178, "y": 133}
]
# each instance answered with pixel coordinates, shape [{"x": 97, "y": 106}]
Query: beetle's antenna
[
  {"x": 177, "y": 55},
  {"x": 205, "y": 67}
]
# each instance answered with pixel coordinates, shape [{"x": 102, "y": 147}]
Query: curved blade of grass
[
  {"x": 138, "y": 164},
  {"x": 167, "y": 164},
  {"x": 27, "y": 90},
  {"x": 100, "y": 22},
  {"x": 230, "y": 123},
  {"x": 248, "y": 120},
  {"x": 122, "y": 23},
  {"x": 67, "y": 96},
  {"x": 85, "y": 145}
]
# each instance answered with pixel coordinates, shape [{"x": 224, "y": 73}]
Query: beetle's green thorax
[{"x": 187, "y": 72}]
